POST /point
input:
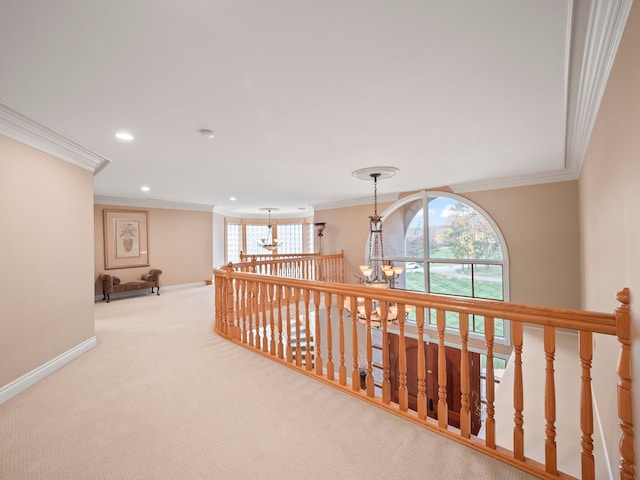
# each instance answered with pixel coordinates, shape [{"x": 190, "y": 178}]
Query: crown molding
[
  {"x": 517, "y": 181},
  {"x": 151, "y": 203},
  {"x": 19, "y": 127},
  {"x": 606, "y": 22},
  {"x": 354, "y": 202}
]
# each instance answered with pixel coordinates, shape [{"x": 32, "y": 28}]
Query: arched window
[{"x": 448, "y": 245}]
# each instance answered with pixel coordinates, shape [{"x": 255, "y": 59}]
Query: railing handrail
[{"x": 595, "y": 322}]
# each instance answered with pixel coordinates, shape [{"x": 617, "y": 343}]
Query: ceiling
[{"x": 301, "y": 93}]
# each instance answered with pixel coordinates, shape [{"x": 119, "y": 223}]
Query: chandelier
[
  {"x": 376, "y": 317},
  {"x": 377, "y": 272},
  {"x": 269, "y": 243}
]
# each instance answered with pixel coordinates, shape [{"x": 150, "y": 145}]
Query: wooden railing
[
  {"x": 313, "y": 327},
  {"x": 248, "y": 257},
  {"x": 328, "y": 268}
]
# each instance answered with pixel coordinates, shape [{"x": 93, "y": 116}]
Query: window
[
  {"x": 243, "y": 236},
  {"x": 448, "y": 246}
]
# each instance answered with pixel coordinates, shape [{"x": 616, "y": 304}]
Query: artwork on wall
[{"x": 126, "y": 239}]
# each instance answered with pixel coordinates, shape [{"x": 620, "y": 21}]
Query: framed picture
[{"x": 126, "y": 239}]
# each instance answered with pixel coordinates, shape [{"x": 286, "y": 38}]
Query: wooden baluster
[
  {"x": 370, "y": 383},
  {"x": 490, "y": 384},
  {"x": 403, "y": 393},
  {"x": 272, "y": 326},
  {"x": 263, "y": 308},
  {"x": 443, "y": 414},
  {"x": 518, "y": 392},
  {"x": 250, "y": 312},
  {"x": 318, "y": 343},
  {"x": 355, "y": 374},
  {"x": 330, "y": 366},
  {"x": 422, "y": 396},
  {"x": 386, "y": 382},
  {"x": 625, "y": 405},
  {"x": 465, "y": 384},
  {"x": 342, "y": 369},
  {"x": 287, "y": 300},
  {"x": 550, "y": 449},
  {"x": 279, "y": 307},
  {"x": 586, "y": 406},
  {"x": 243, "y": 310},
  {"x": 296, "y": 297},
  {"x": 307, "y": 328},
  {"x": 230, "y": 324}
]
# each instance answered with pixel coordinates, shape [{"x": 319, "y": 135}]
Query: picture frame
[{"x": 126, "y": 239}]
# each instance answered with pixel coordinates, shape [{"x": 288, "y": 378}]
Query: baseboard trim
[
  {"x": 34, "y": 376},
  {"x": 140, "y": 293}
]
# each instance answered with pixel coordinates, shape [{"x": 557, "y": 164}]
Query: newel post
[{"x": 625, "y": 412}]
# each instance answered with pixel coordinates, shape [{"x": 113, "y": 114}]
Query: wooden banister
[{"x": 266, "y": 313}]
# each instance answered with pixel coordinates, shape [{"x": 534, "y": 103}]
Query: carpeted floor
[{"x": 163, "y": 397}]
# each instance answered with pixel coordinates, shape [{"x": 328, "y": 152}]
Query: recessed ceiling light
[
  {"x": 233, "y": 199},
  {"x": 145, "y": 188},
  {"x": 207, "y": 133},
  {"x": 124, "y": 136}
]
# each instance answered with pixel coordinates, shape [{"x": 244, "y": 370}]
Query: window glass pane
[
  {"x": 450, "y": 279},
  {"x": 476, "y": 324},
  {"x": 452, "y": 320},
  {"x": 414, "y": 237},
  {"x": 487, "y": 281},
  {"x": 456, "y": 230},
  {"x": 254, "y": 234},
  {"x": 291, "y": 237},
  {"x": 414, "y": 276},
  {"x": 234, "y": 232}
]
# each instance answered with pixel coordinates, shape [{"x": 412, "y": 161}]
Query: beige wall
[
  {"x": 46, "y": 295},
  {"x": 610, "y": 218},
  {"x": 180, "y": 244},
  {"x": 540, "y": 226},
  {"x": 347, "y": 229}
]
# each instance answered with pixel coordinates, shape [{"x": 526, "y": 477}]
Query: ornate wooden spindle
[
  {"x": 355, "y": 373},
  {"x": 550, "y": 448},
  {"x": 490, "y": 384},
  {"x": 342, "y": 369},
  {"x": 230, "y": 318},
  {"x": 586, "y": 405},
  {"x": 263, "y": 311},
  {"x": 239, "y": 309},
  {"x": 403, "y": 392},
  {"x": 518, "y": 392},
  {"x": 370, "y": 383},
  {"x": 330, "y": 366},
  {"x": 287, "y": 299},
  {"x": 465, "y": 384},
  {"x": 443, "y": 414},
  {"x": 422, "y": 395},
  {"x": 272, "y": 326},
  {"x": 296, "y": 298},
  {"x": 253, "y": 312},
  {"x": 625, "y": 405},
  {"x": 386, "y": 381},
  {"x": 279, "y": 307},
  {"x": 318, "y": 343},
  {"x": 307, "y": 331}
]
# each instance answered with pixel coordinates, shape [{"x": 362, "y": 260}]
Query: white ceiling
[{"x": 300, "y": 93}]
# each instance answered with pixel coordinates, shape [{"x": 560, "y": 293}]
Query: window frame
[{"x": 425, "y": 196}]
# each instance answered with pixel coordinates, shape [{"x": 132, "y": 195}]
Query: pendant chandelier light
[
  {"x": 377, "y": 272},
  {"x": 269, "y": 243}
]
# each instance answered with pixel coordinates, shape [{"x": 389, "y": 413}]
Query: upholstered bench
[{"x": 111, "y": 284}]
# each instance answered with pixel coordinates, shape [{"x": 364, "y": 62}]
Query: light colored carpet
[{"x": 163, "y": 397}]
